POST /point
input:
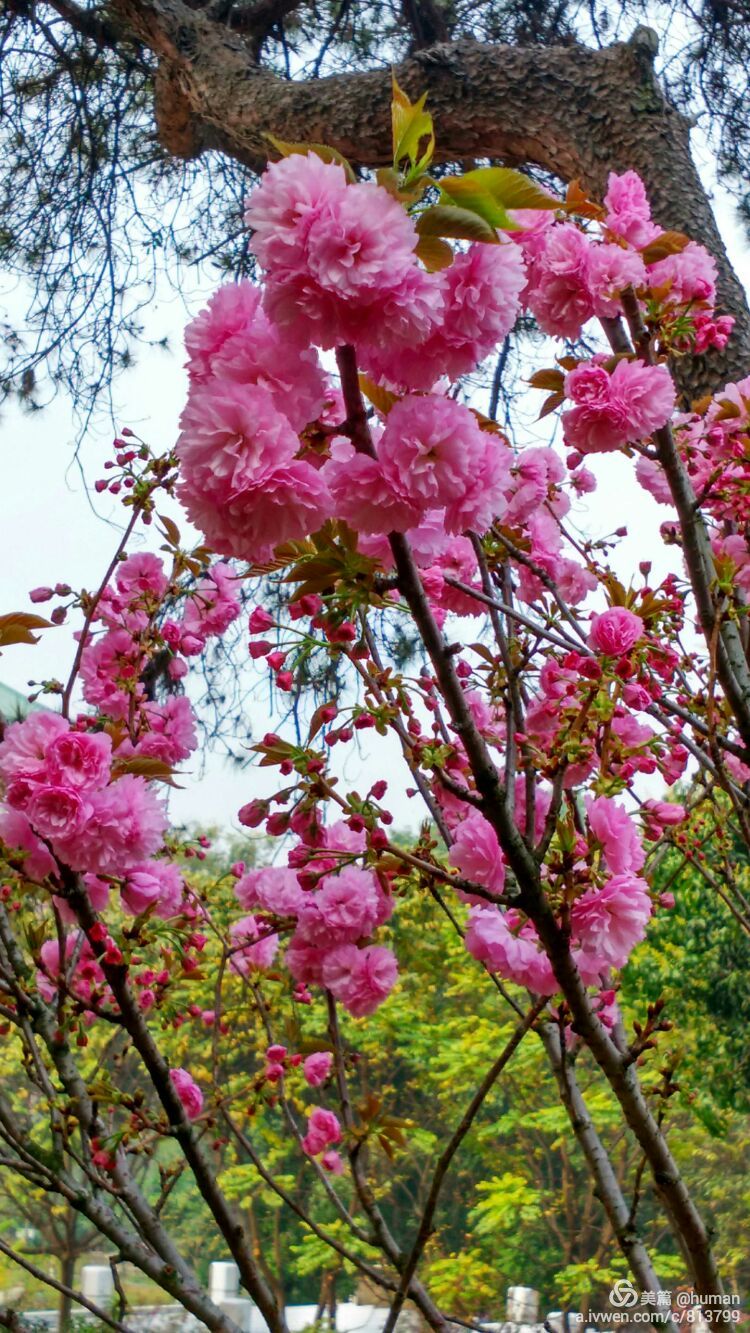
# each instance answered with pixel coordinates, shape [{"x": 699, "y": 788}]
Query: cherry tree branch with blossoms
[{"x": 379, "y": 496}]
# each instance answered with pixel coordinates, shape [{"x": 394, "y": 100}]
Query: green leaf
[
  {"x": 491, "y": 191},
  {"x": 411, "y": 124},
  {"x": 16, "y": 627},
  {"x": 512, "y": 189},
  {"x": 321, "y": 150},
  {"x": 460, "y": 223},
  {"x": 469, "y": 193}
]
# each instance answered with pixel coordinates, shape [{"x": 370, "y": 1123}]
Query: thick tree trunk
[{"x": 576, "y": 112}]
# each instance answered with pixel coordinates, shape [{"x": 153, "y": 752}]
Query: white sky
[{"x": 51, "y": 533}]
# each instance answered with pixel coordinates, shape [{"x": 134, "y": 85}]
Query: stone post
[
  {"x": 224, "y": 1289},
  {"x": 98, "y": 1284},
  {"x": 522, "y": 1305}
]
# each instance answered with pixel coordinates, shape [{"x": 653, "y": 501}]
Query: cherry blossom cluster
[{"x": 380, "y": 491}]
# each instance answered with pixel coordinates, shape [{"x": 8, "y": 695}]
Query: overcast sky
[{"x": 52, "y": 532}]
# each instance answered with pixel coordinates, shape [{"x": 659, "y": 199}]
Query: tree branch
[{"x": 576, "y": 112}]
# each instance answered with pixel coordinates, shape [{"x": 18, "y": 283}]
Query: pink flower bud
[
  {"x": 260, "y": 621},
  {"x": 253, "y": 814},
  {"x": 261, "y": 648}
]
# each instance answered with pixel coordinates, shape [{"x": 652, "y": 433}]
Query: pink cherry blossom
[
  {"x": 617, "y": 409},
  {"x": 345, "y": 908},
  {"x": 323, "y": 1129},
  {"x": 317, "y": 1068},
  {"x": 87, "y": 975},
  {"x": 334, "y": 253},
  {"x": 154, "y": 884},
  {"x": 259, "y": 946},
  {"x": 533, "y": 473},
  {"x": 610, "y": 921},
  {"x": 652, "y": 478},
  {"x": 648, "y": 394},
  {"x": 517, "y": 958},
  {"x": 288, "y": 503},
  {"x": 481, "y": 301},
  {"x": 558, "y": 292},
  {"x": 58, "y": 812},
  {"x": 431, "y": 447},
  {"x": 260, "y": 621},
  {"x": 233, "y": 310},
  {"x": 125, "y": 826},
  {"x": 616, "y": 631},
  {"x": 340, "y": 837},
  {"x": 230, "y": 435},
  {"x": 481, "y": 290},
  {"x": 274, "y": 888},
  {"x": 16, "y": 832},
  {"x": 331, "y": 1161},
  {"x": 290, "y": 195},
  {"x": 660, "y": 815},
  {"x": 110, "y": 671},
  {"x": 305, "y": 961},
  {"x": 80, "y": 759},
  {"x": 614, "y": 829},
  {"x": 484, "y": 500},
  {"x": 628, "y": 210},
  {"x": 689, "y": 275},
  {"x": 213, "y": 605},
  {"x": 23, "y": 749},
  {"x": 233, "y": 339},
  {"x": 611, "y": 269},
  {"x": 188, "y": 1092},
  {"x": 363, "y": 497},
  {"x": 361, "y": 978},
  {"x": 476, "y": 853},
  {"x": 167, "y": 731},
  {"x": 141, "y": 576}
]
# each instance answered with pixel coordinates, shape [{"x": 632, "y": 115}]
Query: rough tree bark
[{"x": 576, "y": 112}]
